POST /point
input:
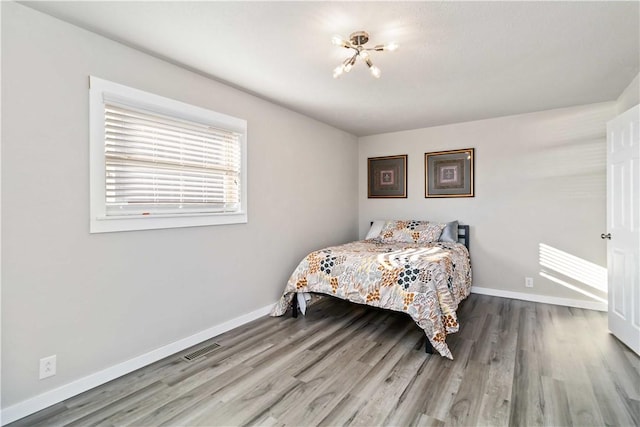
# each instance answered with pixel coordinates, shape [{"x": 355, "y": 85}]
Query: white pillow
[{"x": 375, "y": 229}]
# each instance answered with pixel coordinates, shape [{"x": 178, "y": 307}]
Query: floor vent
[{"x": 201, "y": 352}]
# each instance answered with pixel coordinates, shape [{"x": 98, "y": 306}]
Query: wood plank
[
  {"x": 410, "y": 402},
  {"x": 556, "y": 408},
  {"x": 445, "y": 380},
  {"x": 95, "y": 400},
  {"x": 384, "y": 387},
  {"x": 466, "y": 406},
  {"x": 422, "y": 420},
  {"x": 182, "y": 403},
  {"x": 140, "y": 395},
  {"x": 344, "y": 412},
  {"x": 244, "y": 408},
  {"x": 321, "y": 394},
  {"x": 583, "y": 405},
  {"x": 614, "y": 407},
  {"x": 527, "y": 403},
  {"x": 495, "y": 406},
  {"x": 153, "y": 403}
]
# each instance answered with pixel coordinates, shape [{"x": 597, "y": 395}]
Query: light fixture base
[
  {"x": 356, "y": 43},
  {"x": 359, "y": 38}
]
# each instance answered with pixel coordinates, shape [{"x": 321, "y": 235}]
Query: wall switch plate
[
  {"x": 47, "y": 366},
  {"x": 528, "y": 282}
]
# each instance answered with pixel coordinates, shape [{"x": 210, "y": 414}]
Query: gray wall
[
  {"x": 539, "y": 179},
  {"x": 98, "y": 300},
  {"x": 630, "y": 97}
]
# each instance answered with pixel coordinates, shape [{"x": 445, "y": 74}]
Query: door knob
[{"x": 605, "y": 236}]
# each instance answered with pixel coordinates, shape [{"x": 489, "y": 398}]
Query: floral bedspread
[{"x": 425, "y": 281}]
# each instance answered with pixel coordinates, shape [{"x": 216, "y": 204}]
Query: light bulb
[
  {"x": 375, "y": 71},
  {"x": 337, "y": 72},
  {"x": 391, "y": 46},
  {"x": 349, "y": 62},
  {"x": 338, "y": 41},
  {"x": 363, "y": 54}
]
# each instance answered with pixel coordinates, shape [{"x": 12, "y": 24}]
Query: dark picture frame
[
  {"x": 387, "y": 177},
  {"x": 449, "y": 173}
]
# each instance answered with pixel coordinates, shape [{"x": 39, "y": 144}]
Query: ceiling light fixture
[{"x": 356, "y": 44}]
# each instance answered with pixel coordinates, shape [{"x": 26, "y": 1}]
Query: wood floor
[{"x": 516, "y": 363}]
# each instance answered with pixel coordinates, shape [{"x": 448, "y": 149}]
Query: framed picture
[
  {"x": 387, "y": 177},
  {"x": 449, "y": 173}
]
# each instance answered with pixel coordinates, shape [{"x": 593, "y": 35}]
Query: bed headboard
[{"x": 463, "y": 235}]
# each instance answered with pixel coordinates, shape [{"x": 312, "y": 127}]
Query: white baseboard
[
  {"x": 44, "y": 400},
  {"x": 591, "y": 305}
]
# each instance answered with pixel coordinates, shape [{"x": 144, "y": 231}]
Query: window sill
[{"x": 103, "y": 224}]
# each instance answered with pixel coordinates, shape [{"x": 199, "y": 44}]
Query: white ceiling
[{"x": 457, "y": 61}]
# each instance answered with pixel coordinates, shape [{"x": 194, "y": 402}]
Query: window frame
[{"x": 100, "y": 91}]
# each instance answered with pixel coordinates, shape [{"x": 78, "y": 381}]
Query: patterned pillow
[{"x": 411, "y": 232}]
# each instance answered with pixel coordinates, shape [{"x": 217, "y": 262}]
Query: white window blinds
[
  {"x": 156, "y": 162},
  {"x": 161, "y": 165}
]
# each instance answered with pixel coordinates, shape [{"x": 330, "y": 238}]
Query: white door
[{"x": 623, "y": 225}]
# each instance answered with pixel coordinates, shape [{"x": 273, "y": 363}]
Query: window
[{"x": 161, "y": 163}]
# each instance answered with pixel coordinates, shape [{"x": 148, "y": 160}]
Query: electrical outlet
[
  {"x": 47, "y": 366},
  {"x": 528, "y": 282}
]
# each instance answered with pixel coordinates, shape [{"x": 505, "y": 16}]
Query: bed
[{"x": 420, "y": 268}]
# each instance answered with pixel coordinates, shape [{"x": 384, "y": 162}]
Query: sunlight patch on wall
[
  {"x": 567, "y": 159},
  {"x": 556, "y": 262},
  {"x": 573, "y": 169},
  {"x": 572, "y": 287}
]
